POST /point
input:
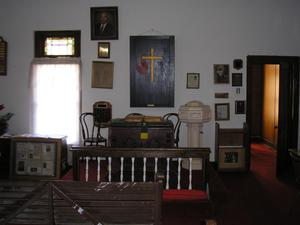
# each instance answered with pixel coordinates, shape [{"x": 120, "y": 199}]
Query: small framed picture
[
  {"x": 238, "y": 64},
  {"x": 104, "y": 23},
  {"x": 222, "y": 111},
  {"x": 240, "y": 107},
  {"x": 231, "y": 158},
  {"x": 193, "y": 80},
  {"x": 221, "y": 95},
  {"x": 103, "y": 49},
  {"x": 102, "y": 74},
  {"x": 221, "y": 73},
  {"x": 237, "y": 79}
]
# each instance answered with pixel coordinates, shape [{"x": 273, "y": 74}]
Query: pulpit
[{"x": 194, "y": 114}]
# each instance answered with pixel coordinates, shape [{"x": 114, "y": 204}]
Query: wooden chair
[
  {"x": 177, "y": 123},
  {"x": 90, "y": 133}
]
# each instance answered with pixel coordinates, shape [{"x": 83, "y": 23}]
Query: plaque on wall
[
  {"x": 3, "y": 57},
  {"x": 152, "y": 71}
]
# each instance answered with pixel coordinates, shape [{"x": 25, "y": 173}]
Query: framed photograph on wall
[
  {"x": 192, "y": 80},
  {"x": 237, "y": 79},
  {"x": 103, "y": 49},
  {"x": 221, "y": 73},
  {"x": 102, "y": 74},
  {"x": 221, "y": 95},
  {"x": 222, "y": 111},
  {"x": 3, "y": 57},
  {"x": 104, "y": 23},
  {"x": 240, "y": 107}
]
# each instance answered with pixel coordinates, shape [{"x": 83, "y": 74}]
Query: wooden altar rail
[{"x": 169, "y": 155}]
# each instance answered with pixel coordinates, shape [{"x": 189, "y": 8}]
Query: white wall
[{"x": 206, "y": 32}]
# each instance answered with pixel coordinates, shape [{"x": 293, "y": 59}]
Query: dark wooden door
[{"x": 288, "y": 104}]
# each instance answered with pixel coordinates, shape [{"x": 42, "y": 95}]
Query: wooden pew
[
  {"x": 231, "y": 148},
  {"x": 72, "y": 202}
]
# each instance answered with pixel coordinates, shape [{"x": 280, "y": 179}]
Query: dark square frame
[
  {"x": 112, "y": 29},
  {"x": 240, "y": 107},
  {"x": 237, "y": 79}
]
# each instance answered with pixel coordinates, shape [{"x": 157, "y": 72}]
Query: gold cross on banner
[{"x": 151, "y": 57}]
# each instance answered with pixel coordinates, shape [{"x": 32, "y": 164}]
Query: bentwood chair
[
  {"x": 177, "y": 123},
  {"x": 90, "y": 133}
]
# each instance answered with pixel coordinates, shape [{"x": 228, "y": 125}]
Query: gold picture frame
[
  {"x": 104, "y": 50},
  {"x": 102, "y": 74}
]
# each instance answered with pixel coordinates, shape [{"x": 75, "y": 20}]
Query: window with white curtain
[{"x": 55, "y": 106}]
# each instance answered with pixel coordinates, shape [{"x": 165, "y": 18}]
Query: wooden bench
[
  {"x": 71, "y": 202},
  {"x": 231, "y": 148}
]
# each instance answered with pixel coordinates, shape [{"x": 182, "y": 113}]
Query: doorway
[{"x": 272, "y": 105}]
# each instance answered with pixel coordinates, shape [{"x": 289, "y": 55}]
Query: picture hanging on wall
[
  {"x": 237, "y": 79},
  {"x": 240, "y": 107},
  {"x": 152, "y": 69},
  {"x": 192, "y": 80},
  {"x": 103, "y": 50},
  {"x": 104, "y": 23},
  {"x": 102, "y": 74},
  {"x": 222, "y": 111},
  {"x": 221, "y": 95},
  {"x": 221, "y": 73},
  {"x": 238, "y": 64},
  {"x": 3, "y": 57}
]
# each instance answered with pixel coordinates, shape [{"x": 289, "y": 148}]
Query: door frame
[{"x": 288, "y": 106}]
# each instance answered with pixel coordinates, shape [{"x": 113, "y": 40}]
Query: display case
[{"x": 38, "y": 157}]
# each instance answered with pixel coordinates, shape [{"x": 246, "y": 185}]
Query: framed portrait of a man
[
  {"x": 104, "y": 23},
  {"x": 221, "y": 73}
]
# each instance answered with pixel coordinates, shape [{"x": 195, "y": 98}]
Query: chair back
[
  {"x": 90, "y": 132},
  {"x": 87, "y": 125},
  {"x": 177, "y": 123}
]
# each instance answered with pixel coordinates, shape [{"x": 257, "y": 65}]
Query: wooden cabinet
[
  {"x": 140, "y": 134},
  {"x": 36, "y": 157}
]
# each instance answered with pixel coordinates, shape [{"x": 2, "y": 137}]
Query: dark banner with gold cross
[{"x": 152, "y": 71}]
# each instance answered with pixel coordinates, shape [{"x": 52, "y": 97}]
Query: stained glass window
[
  {"x": 57, "y": 43},
  {"x": 59, "y": 46}
]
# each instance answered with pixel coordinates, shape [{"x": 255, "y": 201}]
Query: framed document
[
  {"x": 222, "y": 111},
  {"x": 3, "y": 57},
  {"x": 102, "y": 74},
  {"x": 193, "y": 80}
]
